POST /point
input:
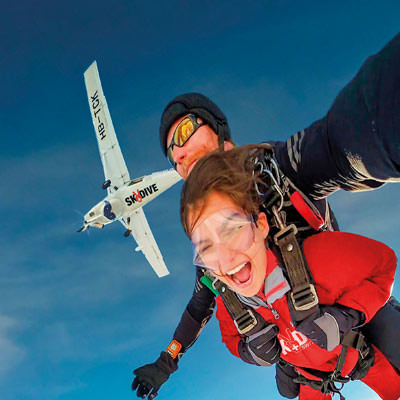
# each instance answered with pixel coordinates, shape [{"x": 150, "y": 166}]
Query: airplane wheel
[{"x": 127, "y": 233}]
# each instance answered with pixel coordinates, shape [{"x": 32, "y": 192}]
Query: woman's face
[{"x": 229, "y": 243}]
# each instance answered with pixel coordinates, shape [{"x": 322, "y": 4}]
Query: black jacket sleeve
[
  {"x": 356, "y": 146},
  {"x": 197, "y": 313}
]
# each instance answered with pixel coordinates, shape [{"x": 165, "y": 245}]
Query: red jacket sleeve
[
  {"x": 351, "y": 270},
  {"x": 230, "y": 335}
]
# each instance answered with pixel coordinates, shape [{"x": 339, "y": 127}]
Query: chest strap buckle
[
  {"x": 245, "y": 322},
  {"x": 304, "y": 297}
]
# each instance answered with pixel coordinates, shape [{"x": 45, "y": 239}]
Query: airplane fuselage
[{"x": 129, "y": 197}]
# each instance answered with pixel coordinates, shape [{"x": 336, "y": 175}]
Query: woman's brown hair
[{"x": 232, "y": 173}]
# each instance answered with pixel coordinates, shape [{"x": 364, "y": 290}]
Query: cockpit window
[{"x": 137, "y": 180}]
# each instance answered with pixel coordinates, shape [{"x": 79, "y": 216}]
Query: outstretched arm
[
  {"x": 196, "y": 315},
  {"x": 149, "y": 378},
  {"x": 356, "y": 146}
]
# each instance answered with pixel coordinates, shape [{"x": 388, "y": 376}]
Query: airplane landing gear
[
  {"x": 127, "y": 233},
  {"x": 106, "y": 184}
]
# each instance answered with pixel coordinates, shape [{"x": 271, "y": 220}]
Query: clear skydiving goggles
[
  {"x": 225, "y": 230},
  {"x": 183, "y": 132}
]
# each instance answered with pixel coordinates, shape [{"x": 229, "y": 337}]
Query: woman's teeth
[{"x": 237, "y": 269}]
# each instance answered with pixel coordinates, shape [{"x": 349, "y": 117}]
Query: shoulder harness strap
[
  {"x": 243, "y": 317},
  {"x": 302, "y": 297},
  {"x": 280, "y": 192}
]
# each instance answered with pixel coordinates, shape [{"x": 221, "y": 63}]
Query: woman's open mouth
[{"x": 241, "y": 275}]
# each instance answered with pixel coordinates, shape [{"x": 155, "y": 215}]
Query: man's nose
[{"x": 179, "y": 154}]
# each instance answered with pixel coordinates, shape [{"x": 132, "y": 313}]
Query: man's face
[
  {"x": 231, "y": 245},
  {"x": 200, "y": 143}
]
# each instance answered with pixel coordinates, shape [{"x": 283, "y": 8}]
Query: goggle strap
[{"x": 220, "y": 137}]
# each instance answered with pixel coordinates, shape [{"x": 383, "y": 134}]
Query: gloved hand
[
  {"x": 150, "y": 377},
  {"x": 285, "y": 376},
  {"x": 262, "y": 347},
  {"x": 327, "y": 327}
]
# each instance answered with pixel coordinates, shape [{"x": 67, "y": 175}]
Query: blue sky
[{"x": 80, "y": 311}]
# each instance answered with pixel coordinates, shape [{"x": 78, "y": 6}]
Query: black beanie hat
[{"x": 199, "y": 105}]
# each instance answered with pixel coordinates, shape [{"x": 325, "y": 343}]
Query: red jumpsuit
[{"x": 348, "y": 269}]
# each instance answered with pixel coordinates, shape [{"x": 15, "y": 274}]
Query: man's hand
[
  {"x": 150, "y": 377},
  {"x": 328, "y": 327},
  {"x": 261, "y": 348}
]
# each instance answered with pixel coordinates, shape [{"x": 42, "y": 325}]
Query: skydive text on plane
[{"x": 140, "y": 194}]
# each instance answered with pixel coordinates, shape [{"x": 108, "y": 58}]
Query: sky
[{"x": 79, "y": 312}]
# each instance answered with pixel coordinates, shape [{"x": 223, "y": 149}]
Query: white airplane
[{"x": 125, "y": 198}]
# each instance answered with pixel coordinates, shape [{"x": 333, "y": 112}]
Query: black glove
[
  {"x": 285, "y": 376},
  {"x": 150, "y": 377},
  {"x": 262, "y": 347},
  {"x": 330, "y": 324}
]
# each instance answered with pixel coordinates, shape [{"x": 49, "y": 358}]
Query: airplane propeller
[{"x": 84, "y": 227}]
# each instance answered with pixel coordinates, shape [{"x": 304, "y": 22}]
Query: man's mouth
[
  {"x": 241, "y": 275},
  {"x": 190, "y": 166}
]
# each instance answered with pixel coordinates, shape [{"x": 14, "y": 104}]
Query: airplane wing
[
  {"x": 146, "y": 242},
  {"x": 111, "y": 156}
]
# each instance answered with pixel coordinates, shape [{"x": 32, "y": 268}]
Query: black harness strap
[
  {"x": 243, "y": 318},
  {"x": 328, "y": 381},
  {"x": 324, "y": 386},
  {"x": 303, "y": 297},
  {"x": 221, "y": 137}
]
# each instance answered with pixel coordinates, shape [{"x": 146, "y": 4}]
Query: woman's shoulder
[
  {"x": 342, "y": 243},
  {"x": 333, "y": 252}
]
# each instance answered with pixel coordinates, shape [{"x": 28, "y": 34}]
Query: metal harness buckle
[
  {"x": 245, "y": 322},
  {"x": 284, "y": 229},
  {"x": 304, "y": 298},
  {"x": 362, "y": 346}
]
